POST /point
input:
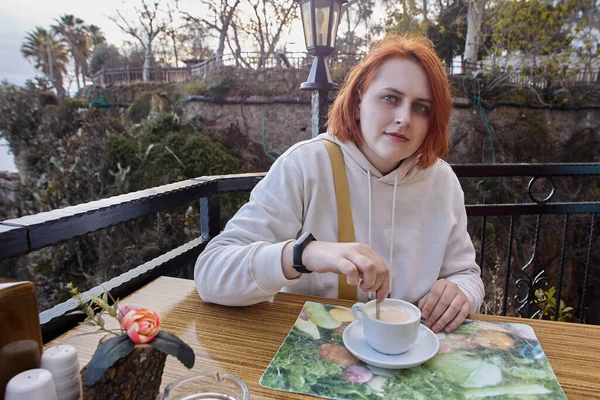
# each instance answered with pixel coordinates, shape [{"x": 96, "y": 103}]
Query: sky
[{"x": 18, "y": 18}]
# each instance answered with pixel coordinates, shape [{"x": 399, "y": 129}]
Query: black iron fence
[{"x": 517, "y": 286}]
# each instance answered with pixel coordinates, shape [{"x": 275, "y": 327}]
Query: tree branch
[{"x": 127, "y": 28}]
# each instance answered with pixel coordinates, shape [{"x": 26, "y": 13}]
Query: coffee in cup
[
  {"x": 392, "y": 315},
  {"x": 397, "y": 328}
]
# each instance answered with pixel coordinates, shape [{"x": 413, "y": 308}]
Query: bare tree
[
  {"x": 354, "y": 15},
  {"x": 150, "y": 26},
  {"x": 238, "y": 47},
  {"x": 475, "y": 15},
  {"x": 191, "y": 38},
  {"x": 181, "y": 40},
  {"x": 171, "y": 32},
  {"x": 218, "y": 19},
  {"x": 266, "y": 24}
]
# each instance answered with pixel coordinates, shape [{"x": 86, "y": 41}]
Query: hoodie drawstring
[
  {"x": 393, "y": 227},
  {"x": 370, "y": 294},
  {"x": 369, "y": 185}
]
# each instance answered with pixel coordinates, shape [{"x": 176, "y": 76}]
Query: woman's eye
[
  {"x": 389, "y": 97},
  {"x": 421, "y": 108}
]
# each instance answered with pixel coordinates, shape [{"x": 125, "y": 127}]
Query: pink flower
[
  {"x": 124, "y": 310},
  {"x": 141, "y": 324}
]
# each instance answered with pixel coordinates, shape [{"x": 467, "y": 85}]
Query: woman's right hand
[{"x": 358, "y": 261}]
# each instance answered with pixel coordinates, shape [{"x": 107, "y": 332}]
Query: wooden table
[{"x": 242, "y": 341}]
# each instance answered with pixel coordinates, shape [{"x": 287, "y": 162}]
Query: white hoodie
[{"x": 414, "y": 219}]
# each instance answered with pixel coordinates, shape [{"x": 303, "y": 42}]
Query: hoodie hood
[{"x": 354, "y": 157}]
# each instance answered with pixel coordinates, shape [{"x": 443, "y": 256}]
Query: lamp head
[{"x": 320, "y": 19}]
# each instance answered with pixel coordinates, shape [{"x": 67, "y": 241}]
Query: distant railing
[
  {"x": 257, "y": 60},
  {"x": 535, "y": 77},
  {"x": 540, "y": 77},
  {"x": 249, "y": 59},
  {"x": 112, "y": 76}
]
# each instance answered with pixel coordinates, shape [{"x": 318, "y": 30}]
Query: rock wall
[
  {"x": 526, "y": 135},
  {"x": 278, "y": 81},
  {"x": 519, "y": 135},
  {"x": 284, "y": 124}
]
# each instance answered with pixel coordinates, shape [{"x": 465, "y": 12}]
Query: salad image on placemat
[{"x": 478, "y": 360}]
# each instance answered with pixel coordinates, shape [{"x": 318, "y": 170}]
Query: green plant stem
[{"x": 99, "y": 330}]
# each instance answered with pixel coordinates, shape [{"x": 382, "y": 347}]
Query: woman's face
[{"x": 394, "y": 113}]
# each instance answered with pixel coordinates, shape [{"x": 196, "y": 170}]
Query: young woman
[{"x": 390, "y": 120}]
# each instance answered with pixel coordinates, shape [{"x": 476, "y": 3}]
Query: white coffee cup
[{"x": 389, "y": 337}]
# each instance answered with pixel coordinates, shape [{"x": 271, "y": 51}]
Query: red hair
[{"x": 343, "y": 122}]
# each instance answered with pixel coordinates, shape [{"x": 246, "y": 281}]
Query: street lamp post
[{"x": 320, "y": 20}]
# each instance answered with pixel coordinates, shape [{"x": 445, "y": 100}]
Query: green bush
[
  {"x": 20, "y": 114},
  {"x": 68, "y": 114},
  {"x": 122, "y": 149},
  {"x": 194, "y": 88},
  {"x": 140, "y": 108},
  {"x": 220, "y": 87},
  {"x": 78, "y": 156},
  {"x": 160, "y": 152},
  {"x": 68, "y": 107},
  {"x": 47, "y": 98}
]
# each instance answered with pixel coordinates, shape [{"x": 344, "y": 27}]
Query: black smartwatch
[{"x": 299, "y": 247}]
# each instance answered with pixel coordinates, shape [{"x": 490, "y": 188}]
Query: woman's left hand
[{"x": 445, "y": 307}]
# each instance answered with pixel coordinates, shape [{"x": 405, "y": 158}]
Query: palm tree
[
  {"x": 83, "y": 52},
  {"x": 95, "y": 38},
  {"x": 96, "y": 35},
  {"x": 75, "y": 33},
  {"x": 48, "y": 54}
]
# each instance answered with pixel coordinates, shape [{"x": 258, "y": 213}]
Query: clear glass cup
[{"x": 207, "y": 386}]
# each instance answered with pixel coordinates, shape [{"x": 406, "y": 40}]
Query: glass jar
[{"x": 207, "y": 386}]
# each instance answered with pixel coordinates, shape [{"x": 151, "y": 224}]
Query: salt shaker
[
  {"x": 63, "y": 364},
  {"x": 33, "y": 384}
]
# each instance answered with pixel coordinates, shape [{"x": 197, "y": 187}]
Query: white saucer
[{"x": 424, "y": 349}]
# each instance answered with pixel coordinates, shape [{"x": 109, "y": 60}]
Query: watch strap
[{"x": 298, "y": 250}]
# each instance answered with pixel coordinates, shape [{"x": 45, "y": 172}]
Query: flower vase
[
  {"x": 137, "y": 375},
  {"x": 129, "y": 365}
]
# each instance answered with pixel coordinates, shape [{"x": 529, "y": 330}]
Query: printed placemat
[{"x": 479, "y": 360}]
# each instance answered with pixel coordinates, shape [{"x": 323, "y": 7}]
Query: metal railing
[
  {"x": 257, "y": 61},
  {"x": 249, "y": 59},
  {"x": 24, "y": 235},
  {"x": 134, "y": 74},
  {"x": 522, "y": 75},
  {"x": 540, "y": 77}
]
